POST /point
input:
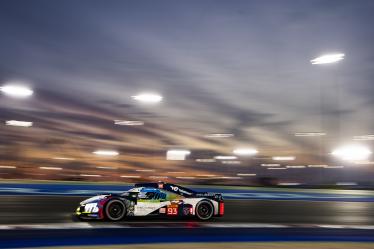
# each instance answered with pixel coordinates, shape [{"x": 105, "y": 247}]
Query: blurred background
[
  {"x": 268, "y": 102},
  {"x": 209, "y": 92}
]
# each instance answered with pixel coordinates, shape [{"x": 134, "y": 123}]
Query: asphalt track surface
[
  {"x": 37, "y": 238},
  {"x": 59, "y": 209},
  {"x": 35, "y": 221}
]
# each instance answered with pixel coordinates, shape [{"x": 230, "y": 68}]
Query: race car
[{"x": 152, "y": 199}]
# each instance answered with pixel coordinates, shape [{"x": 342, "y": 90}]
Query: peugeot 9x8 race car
[{"x": 152, "y": 199}]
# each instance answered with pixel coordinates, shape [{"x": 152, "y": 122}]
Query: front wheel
[
  {"x": 115, "y": 210},
  {"x": 204, "y": 210}
]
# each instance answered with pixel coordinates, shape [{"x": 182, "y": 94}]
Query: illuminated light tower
[
  {"x": 352, "y": 153},
  {"x": 245, "y": 152},
  {"x": 106, "y": 153},
  {"x": 322, "y": 60},
  {"x": 16, "y": 91},
  {"x": 177, "y": 154},
  {"x": 18, "y": 123},
  {"x": 148, "y": 98},
  {"x": 225, "y": 157},
  {"x": 327, "y": 59},
  {"x": 283, "y": 158}
]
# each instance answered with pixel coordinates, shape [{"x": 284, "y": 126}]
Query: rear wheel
[
  {"x": 204, "y": 210},
  {"x": 115, "y": 210}
]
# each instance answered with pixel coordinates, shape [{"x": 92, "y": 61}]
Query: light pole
[
  {"x": 326, "y": 60},
  {"x": 19, "y": 91}
]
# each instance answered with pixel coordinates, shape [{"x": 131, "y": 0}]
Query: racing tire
[
  {"x": 115, "y": 210},
  {"x": 204, "y": 210}
]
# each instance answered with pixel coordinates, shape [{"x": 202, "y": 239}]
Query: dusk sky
[{"x": 235, "y": 67}]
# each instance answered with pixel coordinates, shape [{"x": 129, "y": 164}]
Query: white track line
[{"x": 245, "y": 225}]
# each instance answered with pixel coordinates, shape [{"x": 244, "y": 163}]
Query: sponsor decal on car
[
  {"x": 177, "y": 189},
  {"x": 187, "y": 210},
  {"x": 91, "y": 208}
]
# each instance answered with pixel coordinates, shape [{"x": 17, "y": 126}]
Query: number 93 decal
[{"x": 172, "y": 211}]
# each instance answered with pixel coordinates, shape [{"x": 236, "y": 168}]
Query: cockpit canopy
[{"x": 159, "y": 191}]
